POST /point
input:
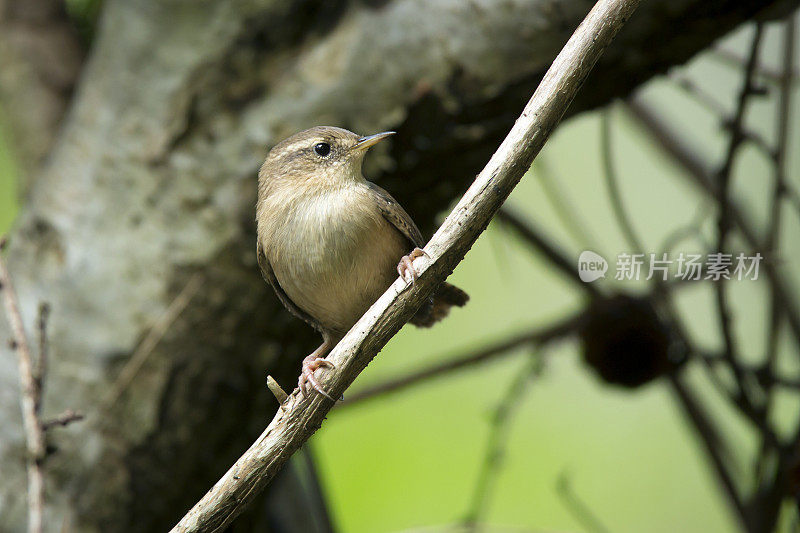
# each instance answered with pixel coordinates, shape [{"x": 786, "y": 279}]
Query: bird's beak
[{"x": 365, "y": 142}]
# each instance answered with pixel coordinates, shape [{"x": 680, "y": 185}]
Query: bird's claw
[
  {"x": 311, "y": 364},
  {"x": 406, "y": 265}
]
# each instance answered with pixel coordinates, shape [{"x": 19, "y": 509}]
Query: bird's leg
[
  {"x": 311, "y": 363},
  {"x": 406, "y": 264}
]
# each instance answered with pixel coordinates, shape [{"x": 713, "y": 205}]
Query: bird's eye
[{"x": 322, "y": 149}]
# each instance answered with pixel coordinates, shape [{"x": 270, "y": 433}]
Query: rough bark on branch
[
  {"x": 301, "y": 415},
  {"x": 152, "y": 182}
]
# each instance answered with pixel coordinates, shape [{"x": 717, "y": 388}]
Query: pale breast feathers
[{"x": 333, "y": 255}]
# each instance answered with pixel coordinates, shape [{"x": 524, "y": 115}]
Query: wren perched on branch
[{"x": 330, "y": 242}]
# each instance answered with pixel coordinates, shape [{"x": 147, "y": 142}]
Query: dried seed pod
[{"x": 625, "y": 341}]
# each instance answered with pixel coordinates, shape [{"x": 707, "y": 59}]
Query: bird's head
[{"x": 319, "y": 156}]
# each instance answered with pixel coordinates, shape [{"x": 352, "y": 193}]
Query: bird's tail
[{"x": 439, "y": 305}]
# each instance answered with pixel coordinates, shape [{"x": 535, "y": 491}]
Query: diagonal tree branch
[{"x": 301, "y": 416}]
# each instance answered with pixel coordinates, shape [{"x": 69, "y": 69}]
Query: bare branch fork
[
  {"x": 302, "y": 416},
  {"x": 31, "y": 378},
  {"x": 30, "y": 400}
]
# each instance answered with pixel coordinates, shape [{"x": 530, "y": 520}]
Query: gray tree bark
[{"x": 151, "y": 184}]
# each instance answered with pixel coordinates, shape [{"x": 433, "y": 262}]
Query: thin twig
[
  {"x": 755, "y": 415},
  {"x": 733, "y": 58},
  {"x": 537, "y": 337},
  {"x": 709, "y": 435},
  {"x": 40, "y": 369},
  {"x": 784, "y": 111},
  {"x": 276, "y": 390},
  {"x": 699, "y": 172},
  {"x": 151, "y": 341},
  {"x": 531, "y": 234},
  {"x": 567, "y": 214},
  {"x": 793, "y": 195},
  {"x": 577, "y": 508},
  {"x": 64, "y": 419},
  {"x": 673, "y": 143},
  {"x": 759, "y": 373},
  {"x": 499, "y": 431},
  {"x": 781, "y": 381},
  {"x": 610, "y": 173},
  {"x": 29, "y": 400},
  {"x": 724, "y": 220},
  {"x": 313, "y": 490},
  {"x": 774, "y": 224},
  {"x": 302, "y": 416},
  {"x": 690, "y": 230},
  {"x": 714, "y": 106}
]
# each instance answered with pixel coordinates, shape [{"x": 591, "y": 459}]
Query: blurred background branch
[{"x": 41, "y": 58}]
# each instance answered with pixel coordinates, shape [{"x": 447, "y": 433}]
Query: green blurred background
[{"x": 412, "y": 459}]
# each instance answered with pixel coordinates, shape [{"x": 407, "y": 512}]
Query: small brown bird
[{"x": 329, "y": 241}]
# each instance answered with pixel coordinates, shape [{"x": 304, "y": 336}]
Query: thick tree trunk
[{"x": 151, "y": 185}]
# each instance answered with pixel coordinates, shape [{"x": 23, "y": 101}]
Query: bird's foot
[
  {"x": 310, "y": 364},
  {"x": 406, "y": 265}
]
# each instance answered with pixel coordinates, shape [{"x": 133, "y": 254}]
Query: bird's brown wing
[
  {"x": 447, "y": 295},
  {"x": 397, "y": 216},
  {"x": 269, "y": 277}
]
